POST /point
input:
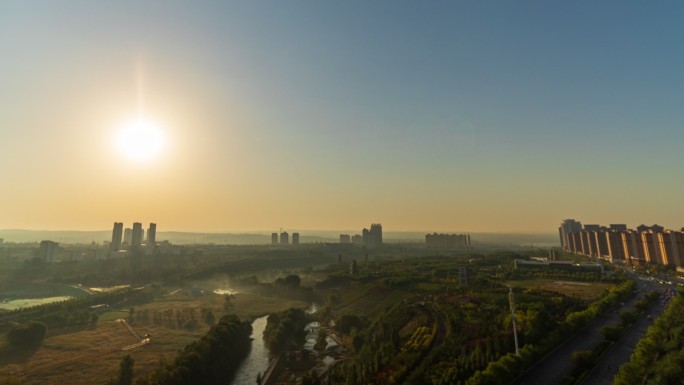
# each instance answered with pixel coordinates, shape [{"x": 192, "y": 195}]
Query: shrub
[{"x": 30, "y": 335}]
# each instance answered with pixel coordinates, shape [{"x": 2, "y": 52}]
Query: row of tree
[
  {"x": 509, "y": 366},
  {"x": 658, "y": 357},
  {"x": 76, "y": 311},
  {"x": 213, "y": 359},
  {"x": 186, "y": 318}
]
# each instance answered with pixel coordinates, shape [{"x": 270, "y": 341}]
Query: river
[{"x": 257, "y": 360}]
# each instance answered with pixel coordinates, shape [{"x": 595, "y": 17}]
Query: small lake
[
  {"x": 15, "y": 304},
  {"x": 258, "y": 358}
]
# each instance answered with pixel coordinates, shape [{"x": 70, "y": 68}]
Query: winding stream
[{"x": 257, "y": 360}]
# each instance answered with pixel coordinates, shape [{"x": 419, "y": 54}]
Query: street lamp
[{"x": 511, "y": 303}]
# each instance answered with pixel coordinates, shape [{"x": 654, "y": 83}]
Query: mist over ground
[{"x": 258, "y": 238}]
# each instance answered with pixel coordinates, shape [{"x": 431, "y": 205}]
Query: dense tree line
[
  {"x": 28, "y": 336},
  {"x": 377, "y": 346},
  {"x": 658, "y": 358},
  {"x": 186, "y": 318},
  {"x": 285, "y": 330},
  {"x": 77, "y": 311},
  {"x": 506, "y": 368},
  {"x": 348, "y": 322},
  {"x": 213, "y": 359}
]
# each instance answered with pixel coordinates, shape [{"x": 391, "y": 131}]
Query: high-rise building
[
  {"x": 345, "y": 238},
  {"x": 274, "y": 238},
  {"x": 295, "y": 239},
  {"x": 152, "y": 234},
  {"x": 357, "y": 240},
  {"x": 446, "y": 241},
  {"x": 128, "y": 235},
  {"x": 284, "y": 238},
  {"x": 117, "y": 232},
  {"x": 48, "y": 251},
  {"x": 372, "y": 237},
  {"x": 632, "y": 247},
  {"x": 136, "y": 241},
  {"x": 567, "y": 227},
  {"x": 678, "y": 248},
  {"x": 654, "y": 228},
  {"x": 646, "y": 245},
  {"x": 651, "y": 251}
]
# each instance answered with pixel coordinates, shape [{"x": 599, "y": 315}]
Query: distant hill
[{"x": 257, "y": 237}]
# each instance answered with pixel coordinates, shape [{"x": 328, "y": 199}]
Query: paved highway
[
  {"x": 551, "y": 369},
  {"x": 606, "y": 369}
]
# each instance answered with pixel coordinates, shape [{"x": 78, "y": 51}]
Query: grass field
[
  {"x": 584, "y": 290},
  {"x": 92, "y": 356},
  {"x": 368, "y": 299}
]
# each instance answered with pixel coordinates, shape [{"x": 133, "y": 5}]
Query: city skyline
[{"x": 238, "y": 117}]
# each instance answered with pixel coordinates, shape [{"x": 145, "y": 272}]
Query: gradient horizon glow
[{"x": 439, "y": 116}]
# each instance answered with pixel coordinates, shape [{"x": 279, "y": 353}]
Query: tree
[
  {"x": 212, "y": 359},
  {"x": 293, "y": 280},
  {"x": 30, "y": 335},
  {"x": 611, "y": 333},
  {"x": 209, "y": 318},
  {"x": 321, "y": 342},
  {"x": 347, "y": 322},
  {"x": 628, "y": 317},
  {"x": 126, "y": 371},
  {"x": 582, "y": 359},
  {"x": 310, "y": 379}
]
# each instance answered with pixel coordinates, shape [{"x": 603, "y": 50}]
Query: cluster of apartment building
[
  {"x": 369, "y": 237},
  {"x": 285, "y": 239},
  {"x": 132, "y": 238},
  {"x": 645, "y": 245},
  {"x": 447, "y": 241}
]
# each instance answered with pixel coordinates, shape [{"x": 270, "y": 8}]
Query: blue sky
[{"x": 445, "y": 116}]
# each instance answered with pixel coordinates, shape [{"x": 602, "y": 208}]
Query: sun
[{"x": 140, "y": 140}]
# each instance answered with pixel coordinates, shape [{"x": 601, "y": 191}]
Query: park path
[{"x": 143, "y": 340}]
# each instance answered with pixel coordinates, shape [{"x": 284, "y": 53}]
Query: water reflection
[{"x": 257, "y": 360}]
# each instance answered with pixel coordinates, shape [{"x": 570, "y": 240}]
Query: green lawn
[{"x": 584, "y": 290}]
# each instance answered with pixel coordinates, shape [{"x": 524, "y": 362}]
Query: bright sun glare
[{"x": 140, "y": 140}]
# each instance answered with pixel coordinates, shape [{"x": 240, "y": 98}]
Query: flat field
[
  {"x": 583, "y": 290},
  {"x": 92, "y": 356},
  {"x": 368, "y": 299}
]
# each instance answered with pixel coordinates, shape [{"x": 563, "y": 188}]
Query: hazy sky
[{"x": 439, "y": 116}]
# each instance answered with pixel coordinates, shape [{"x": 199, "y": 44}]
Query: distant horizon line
[{"x": 343, "y": 231}]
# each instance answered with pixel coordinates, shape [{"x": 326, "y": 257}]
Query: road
[
  {"x": 605, "y": 370},
  {"x": 551, "y": 369}
]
